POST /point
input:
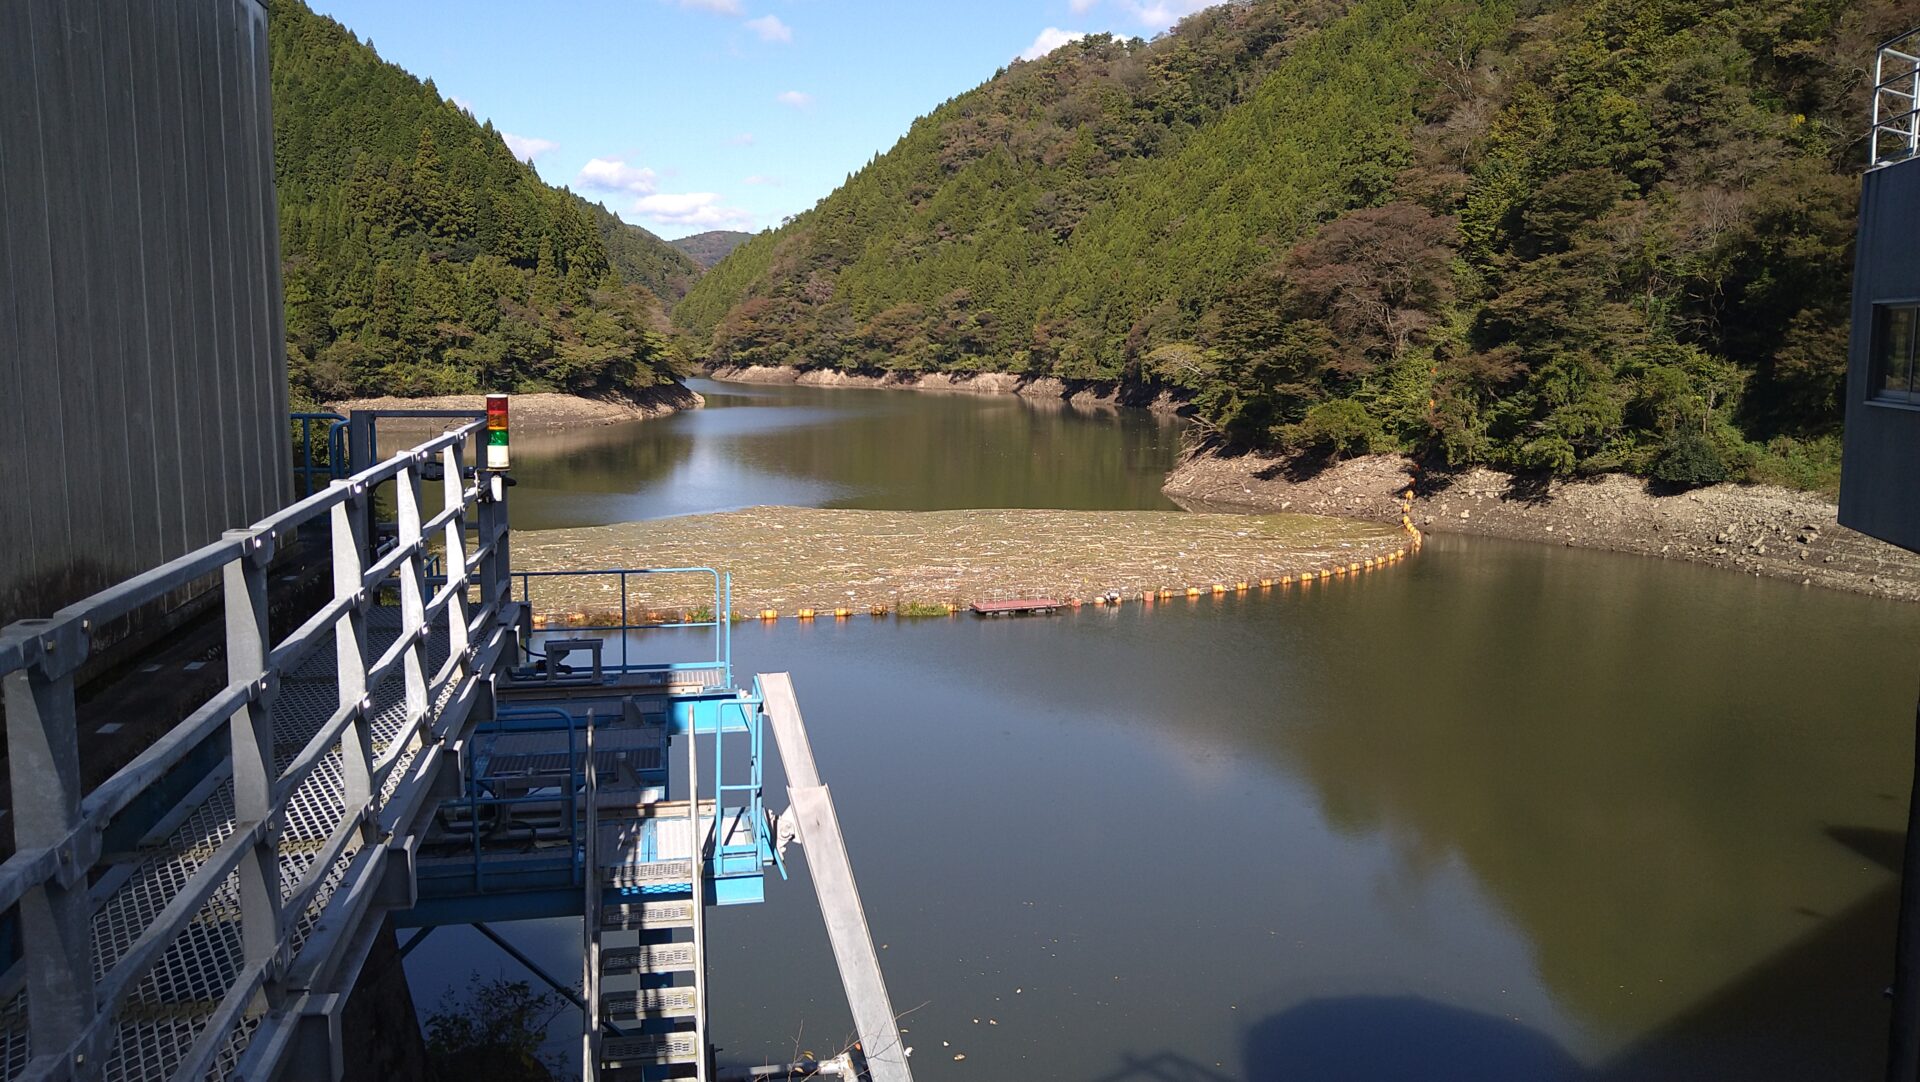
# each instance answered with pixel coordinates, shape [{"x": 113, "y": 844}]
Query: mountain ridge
[{"x": 709, "y": 248}]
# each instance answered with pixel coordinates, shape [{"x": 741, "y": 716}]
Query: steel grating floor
[{"x": 165, "y": 1012}]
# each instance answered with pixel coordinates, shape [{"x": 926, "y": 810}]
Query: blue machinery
[{"x": 409, "y": 751}]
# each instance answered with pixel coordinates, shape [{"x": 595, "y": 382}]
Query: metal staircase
[{"x": 645, "y": 917}]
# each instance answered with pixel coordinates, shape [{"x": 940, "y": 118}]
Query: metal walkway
[
  {"x": 410, "y": 753},
  {"x": 194, "y": 915}
]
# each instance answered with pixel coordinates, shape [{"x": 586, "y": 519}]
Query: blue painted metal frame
[
  {"x": 721, "y": 612},
  {"x": 336, "y": 465},
  {"x": 549, "y": 885},
  {"x": 475, "y": 801}
]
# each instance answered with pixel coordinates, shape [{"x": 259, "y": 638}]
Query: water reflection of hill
[
  {"x": 1641, "y": 768},
  {"x": 1796, "y": 1015},
  {"x": 885, "y": 450}
]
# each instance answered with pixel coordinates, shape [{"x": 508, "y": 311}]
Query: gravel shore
[
  {"x": 547, "y": 410},
  {"x": 1757, "y": 529},
  {"x": 1083, "y": 393}
]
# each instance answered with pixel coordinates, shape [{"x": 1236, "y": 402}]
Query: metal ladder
[{"x": 644, "y": 966}]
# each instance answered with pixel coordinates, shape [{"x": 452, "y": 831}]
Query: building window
[{"x": 1895, "y": 327}]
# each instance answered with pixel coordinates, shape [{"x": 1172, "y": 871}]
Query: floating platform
[{"x": 1017, "y": 606}]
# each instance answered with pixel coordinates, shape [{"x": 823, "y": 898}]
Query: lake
[{"x": 1506, "y": 811}]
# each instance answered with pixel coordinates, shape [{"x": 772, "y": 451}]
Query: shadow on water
[
  {"x": 1373, "y": 1039},
  {"x": 1788, "y": 1018},
  {"x": 1814, "y": 1010}
]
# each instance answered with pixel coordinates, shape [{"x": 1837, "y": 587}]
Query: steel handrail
[
  {"x": 42, "y": 655},
  {"x": 1903, "y": 128},
  {"x": 307, "y": 469},
  {"x": 574, "y": 775}
]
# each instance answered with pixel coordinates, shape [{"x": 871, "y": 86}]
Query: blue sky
[{"x": 689, "y": 115}]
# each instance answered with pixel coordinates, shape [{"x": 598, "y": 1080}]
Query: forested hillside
[
  {"x": 638, "y": 256},
  {"x": 1559, "y": 235},
  {"x": 420, "y": 257},
  {"x": 712, "y": 246}
]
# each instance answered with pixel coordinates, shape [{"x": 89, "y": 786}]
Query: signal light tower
[{"x": 498, "y": 457}]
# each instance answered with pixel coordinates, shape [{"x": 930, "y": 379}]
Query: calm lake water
[
  {"x": 1504, "y": 812},
  {"x": 820, "y": 447}
]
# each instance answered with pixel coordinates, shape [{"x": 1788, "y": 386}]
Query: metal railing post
[
  {"x": 1913, "y": 114},
  {"x": 413, "y": 599},
  {"x": 590, "y": 926},
  {"x": 1879, "y": 83},
  {"x": 453, "y": 499},
  {"x": 56, "y": 925},
  {"x": 350, "y": 651},
  {"x": 699, "y": 854},
  {"x": 254, "y": 771},
  {"x": 495, "y": 581}
]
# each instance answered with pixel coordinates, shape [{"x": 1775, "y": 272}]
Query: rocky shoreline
[
  {"x": 1081, "y": 393},
  {"x": 549, "y": 410},
  {"x": 1757, "y": 529}
]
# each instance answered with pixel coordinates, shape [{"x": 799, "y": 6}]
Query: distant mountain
[
  {"x": 1565, "y": 236},
  {"x": 420, "y": 257},
  {"x": 644, "y": 259},
  {"x": 711, "y": 247}
]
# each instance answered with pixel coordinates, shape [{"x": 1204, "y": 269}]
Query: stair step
[
  {"x": 638, "y": 916},
  {"x": 650, "y": 1050},
  {"x": 649, "y": 874},
  {"x": 649, "y": 958},
  {"x": 648, "y": 1003}
]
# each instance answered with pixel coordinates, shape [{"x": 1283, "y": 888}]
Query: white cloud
[
  {"x": 616, "y": 176},
  {"x": 1160, "y": 14},
  {"x": 700, "y": 209},
  {"x": 526, "y": 147},
  {"x": 770, "y": 28},
  {"x": 794, "y": 98},
  {"x": 744, "y": 139},
  {"x": 1081, "y": 7},
  {"x": 772, "y": 182},
  {"x": 461, "y": 102},
  {"x": 1050, "y": 39},
  {"x": 718, "y": 7}
]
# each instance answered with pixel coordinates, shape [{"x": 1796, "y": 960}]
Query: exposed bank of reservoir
[{"x": 786, "y": 559}]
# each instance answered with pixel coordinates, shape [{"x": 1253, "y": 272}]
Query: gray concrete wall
[
  {"x": 143, "y": 381},
  {"x": 1880, "y": 469}
]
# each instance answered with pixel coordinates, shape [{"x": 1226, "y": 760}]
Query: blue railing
[
  {"x": 727, "y": 860},
  {"x": 314, "y": 476},
  {"x": 741, "y": 858},
  {"x": 502, "y": 723},
  {"x": 720, "y": 613}
]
